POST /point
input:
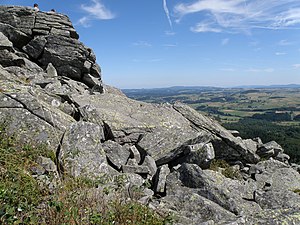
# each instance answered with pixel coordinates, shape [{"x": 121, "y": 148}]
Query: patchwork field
[{"x": 272, "y": 113}]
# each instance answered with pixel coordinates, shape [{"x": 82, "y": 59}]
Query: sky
[{"x": 163, "y": 43}]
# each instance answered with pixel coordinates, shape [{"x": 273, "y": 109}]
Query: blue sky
[{"x": 161, "y": 43}]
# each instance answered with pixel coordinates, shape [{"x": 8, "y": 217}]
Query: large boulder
[
  {"x": 81, "y": 152},
  {"x": 48, "y": 38}
]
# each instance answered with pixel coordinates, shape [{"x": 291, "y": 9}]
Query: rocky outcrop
[
  {"x": 47, "y": 38},
  {"x": 51, "y": 93}
]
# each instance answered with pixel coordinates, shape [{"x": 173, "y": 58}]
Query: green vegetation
[
  {"x": 268, "y": 113},
  {"x": 286, "y": 136},
  {"x": 225, "y": 168},
  {"x": 75, "y": 201},
  {"x": 297, "y": 191}
]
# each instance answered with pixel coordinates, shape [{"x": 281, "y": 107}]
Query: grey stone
[
  {"x": 17, "y": 37},
  {"x": 134, "y": 153},
  {"x": 235, "y": 133},
  {"x": 283, "y": 158},
  {"x": 81, "y": 152},
  {"x": 225, "y": 144},
  {"x": 116, "y": 154},
  {"x": 270, "y": 149},
  {"x": 50, "y": 38},
  {"x": 147, "y": 196},
  {"x": 61, "y": 32},
  {"x": 200, "y": 154},
  {"x": 51, "y": 71},
  {"x": 87, "y": 67},
  {"x": 132, "y": 162},
  {"x": 47, "y": 164},
  {"x": 91, "y": 81},
  {"x": 251, "y": 145},
  {"x": 38, "y": 170},
  {"x": 277, "y": 176},
  {"x": 5, "y": 43},
  {"x": 8, "y": 58},
  {"x": 275, "y": 216},
  {"x": 35, "y": 47},
  {"x": 135, "y": 169},
  {"x": 296, "y": 167},
  {"x": 228, "y": 193},
  {"x": 150, "y": 163},
  {"x": 160, "y": 179},
  {"x": 95, "y": 70},
  {"x": 191, "y": 208},
  {"x": 282, "y": 199}
]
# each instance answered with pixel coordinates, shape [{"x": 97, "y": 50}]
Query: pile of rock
[
  {"x": 45, "y": 38},
  {"x": 171, "y": 152}
]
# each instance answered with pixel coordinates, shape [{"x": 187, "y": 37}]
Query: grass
[
  {"x": 297, "y": 191},
  {"x": 75, "y": 201},
  {"x": 225, "y": 168}
]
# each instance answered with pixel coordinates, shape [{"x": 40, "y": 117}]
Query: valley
[{"x": 270, "y": 112}]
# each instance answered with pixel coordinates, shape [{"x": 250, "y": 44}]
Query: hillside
[
  {"x": 269, "y": 112},
  {"x": 76, "y": 151}
]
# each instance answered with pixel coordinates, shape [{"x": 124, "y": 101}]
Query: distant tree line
[
  {"x": 274, "y": 116},
  {"x": 286, "y": 136}
]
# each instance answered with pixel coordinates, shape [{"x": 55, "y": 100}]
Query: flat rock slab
[
  {"x": 161, "y": 129},
  {"x": 81, "y": 152}
]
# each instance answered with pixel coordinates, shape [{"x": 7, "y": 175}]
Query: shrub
[{"x": 226, "y": 169}]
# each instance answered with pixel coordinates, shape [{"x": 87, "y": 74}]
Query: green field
[{"x": 270, "y": 113}]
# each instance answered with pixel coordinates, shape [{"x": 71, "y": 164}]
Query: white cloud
[
  {"x": 284, "y": 43},
  {"x": 205, "y": 27},
  {"x": 84, "y": 21},
  {"x": 296, "y": 66},
  {"x": 96, "y": 11},
  {"x": 147, "y": 60},
  {"x": 216, "y": 6},
  {"x": 228, "y": 69},
  {"x": 169, "y": 33},
  {"x": 225, "y": 41},
  {"x": 280, "y": 53},
  {"x": 142, "y": 44},
  {"x": 167, "y": 12},
  {"x": 241, "y": 15},
  {"x": 266, "y": 70},
  {"x": 169, "y": 45}
]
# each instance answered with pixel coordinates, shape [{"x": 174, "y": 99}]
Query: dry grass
[{"x": 75, "y": 201}]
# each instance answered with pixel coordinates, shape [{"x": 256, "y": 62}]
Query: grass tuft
[
  {"x": 225, "y": 168},
  {"x": 74, "y": 201}
]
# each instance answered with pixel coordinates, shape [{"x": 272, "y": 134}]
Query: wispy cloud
[
  {"x": 225, "y": 41},
  {"x": 147, "y": 60},
  {"x": 255, "y": 70},
  {"x": 142, "y": 44},
  {"x": 241, "y": 15},
  {"x": 84, "y": 21},
  {"x": 169, "y": 33},
  {"x": 167, "y": 12},
  {"x": 170, "y": 45},
  {"x": 296, "y": 66},
  {"x": 280, "y": 53},
  {"x": 205, "y": 27},
  {"x": 228, "y": 69},
  {"x": 95, "y": 11},
  {"x": 284, "y": 42}
]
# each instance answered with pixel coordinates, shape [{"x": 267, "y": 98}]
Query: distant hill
[
  {"x": 270, "y": 86},
  {"x": 175, "y": 90}
]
